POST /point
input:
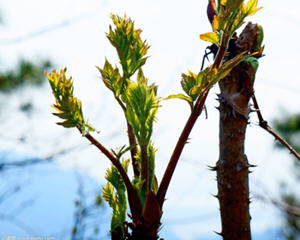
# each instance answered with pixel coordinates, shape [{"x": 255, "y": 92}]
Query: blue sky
[{"x": 172, "y": 29}]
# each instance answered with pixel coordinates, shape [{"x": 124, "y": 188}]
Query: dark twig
[
  {"x": 264, "y": 124},
  {"x": 294, "y": 210}
]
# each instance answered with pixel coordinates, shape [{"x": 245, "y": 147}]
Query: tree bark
[
  {"x": 232, "y": 171},
  {"x": 233, "y": 167}
]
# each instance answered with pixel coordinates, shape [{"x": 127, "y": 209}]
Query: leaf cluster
[
  {"x": 68, "y": 107},
  {"x": 115, "y": 194},
  {"x": 137, "y": 98},
  {"x": 195, "y": 85},
  {"x": 112, "y": 78},
  {"x": 128, "y": 43},
  {"x": 229, "y": 15},
  {"x": 142, "y": 105}
]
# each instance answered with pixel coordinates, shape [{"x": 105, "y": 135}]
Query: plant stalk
[
  {"x": 163, "y": 187},
  {"x": 134, "y": 202}
]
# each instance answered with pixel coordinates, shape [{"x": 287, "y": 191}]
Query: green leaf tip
[
  {"x": 130, "y": 47},
  {"x": 112, "y": 79},
  {"x": 142, "y": 105},
  {"x": 212, "y": 37},
  {"x": 114, "y": 193},
  {"x": 227, "y": 16},
  {"x": 68, "y": 107}
]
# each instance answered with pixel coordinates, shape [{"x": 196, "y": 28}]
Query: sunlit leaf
[
  {"x": 212, "y": 37},
  {"x": 250, "y": 8},
  {"x": 226, "y": 68},
  {"x": 180, "y": 96},
  {"x": 216, "y": 23},
  {"x": 196, "y": 90},
  {"x": 130, "y": 47},
  {"x": 67, "y": 106}
]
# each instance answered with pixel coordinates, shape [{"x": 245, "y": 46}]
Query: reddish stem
[
  {"x": 134, "y": 203},
  {"x": 163, "y": 187},
  {"x": 133, "y": 150}
]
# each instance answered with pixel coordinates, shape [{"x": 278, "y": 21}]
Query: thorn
[
  {"x": 253, "y": 110},
  {"x": 212, "y": 168},
  {"x": 252, "y": 165},
  {"x": 206, "y": 114},
  {"x": 219, "y": 233},
  {"x": 216, "y": 196}
]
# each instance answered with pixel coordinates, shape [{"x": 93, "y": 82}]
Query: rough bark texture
[
  {"x": 232, "y": 166},
  {"x": 232, "y": 170}
]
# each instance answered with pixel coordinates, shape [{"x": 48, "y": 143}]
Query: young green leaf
[
  {"x": 112, "y": 78},
  {"x": 142, "y": 105},
  {"x": 212, "y": 37},
  {"x": 114, "y": 194},
  {"x": 68, "y": 107},
  {"x": 130, "y": 47},
  {"x": 180, "y": 96},
  {"x": 250, "y": 8}
]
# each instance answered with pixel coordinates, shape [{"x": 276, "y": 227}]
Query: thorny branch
[{"x": 264, "y": 124}]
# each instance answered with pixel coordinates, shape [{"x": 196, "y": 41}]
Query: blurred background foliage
[
  {"x": 289, "y": 128},
  {"x": 87, "y": 204},
  {"x": 24, "y": 73}
]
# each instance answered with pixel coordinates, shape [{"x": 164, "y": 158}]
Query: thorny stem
[
  {"x": 264, "y": 124},
  {"x": 135, "y": 206}
]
